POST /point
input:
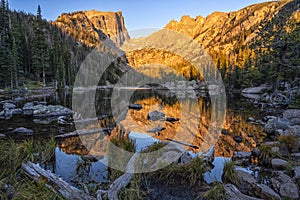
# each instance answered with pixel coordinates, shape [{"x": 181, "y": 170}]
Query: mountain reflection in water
[{"x": 196, "y": 112}]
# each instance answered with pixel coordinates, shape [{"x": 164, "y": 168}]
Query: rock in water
[
  {"x": 135, "y": 106},
  {"x": 172, "y": 119},
  {"x": 23, "y": 131},
  {"x": 238, "y": 138},
  {"x": 155, "y": 115}
]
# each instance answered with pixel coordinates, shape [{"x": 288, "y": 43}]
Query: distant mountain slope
[
  {"x": 90, "y": 27},
  {"x": 226, "y": 31}
]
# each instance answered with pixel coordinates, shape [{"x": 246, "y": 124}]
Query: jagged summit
[
  {"x": 220, "y": 30},
  {"x": 90, "y": 27}
]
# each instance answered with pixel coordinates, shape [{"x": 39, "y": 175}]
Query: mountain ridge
[{"x": 90, "y": 27}]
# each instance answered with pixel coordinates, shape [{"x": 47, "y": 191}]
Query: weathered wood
[
  {"x": 120, "y": 182},
  {"x": 79, "y": 133},
  {"x": 183, "y": 143},
  {"x": 54, "y": 182}
]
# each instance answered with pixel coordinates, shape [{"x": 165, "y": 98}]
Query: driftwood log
[
  {"x": 79, "y": 133},
  {"x": 54, "y": 182},
  {"x": 182, "y": 143},
  {"x": 58, "y": 185},
  {"x": 120, "y": 182}
]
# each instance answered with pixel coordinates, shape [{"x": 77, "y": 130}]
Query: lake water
[{"x": 194, "y": 119}]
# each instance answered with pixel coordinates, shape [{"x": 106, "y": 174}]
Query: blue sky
[{"x": 137, "y": 13}]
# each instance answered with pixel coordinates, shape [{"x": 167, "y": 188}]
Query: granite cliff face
[
  {"x": 90, "y": 27},
  {"x": 225, "y": 31}
]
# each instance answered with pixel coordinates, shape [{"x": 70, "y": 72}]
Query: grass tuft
[
  {"x": 229, "y": 173},
  {"x": 217, "y": 192}
]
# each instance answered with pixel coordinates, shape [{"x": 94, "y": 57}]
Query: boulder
[
  {"x": 295, "y": 156},
  {"x": 265, "y": 192},
  {"x": 255, "y": 152},
  {"x": 155, "y": 115},
  {"x": 9, "y": 106},
  {"x": 2, "y": 136},
  {"x": 291, "y": 113},
  {"x": 284, "y": 184},
  {"x": 248, "y": 185},
  {"x": 278, "y": 163},
  {"x": 42, "y": 111},
  {"x": 273, "y": 125},
  {"x": 292, "y": 130},
  {"x": 233, "y": 193},
  {"x": 23, "y": 131},
  {"x": 254, "y": 90},
  {"x": 27, "y": 112},
  {"x": 297, "y": 172},
  {"x": 241, "y": 158},
  {"x": 289, "y": 190},
  {"x": 16, "y": 111},
  {"x": 246, "y": 182}
]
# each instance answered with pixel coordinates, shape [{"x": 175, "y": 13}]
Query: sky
[{"x": 138, "y": 14}]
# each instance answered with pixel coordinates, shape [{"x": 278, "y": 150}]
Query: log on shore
[{"x": 54, "y": 182}]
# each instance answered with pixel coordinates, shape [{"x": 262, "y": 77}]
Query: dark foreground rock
[
  {"x": 233, "y": 193},
  {"x": 249, "y": 185},
  {"x": 284, "y": 185}
]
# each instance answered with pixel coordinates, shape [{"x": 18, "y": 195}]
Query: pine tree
[{"x": 40, "y": 49}]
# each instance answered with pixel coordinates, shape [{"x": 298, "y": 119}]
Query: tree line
[{"x": 33, "y": 49}]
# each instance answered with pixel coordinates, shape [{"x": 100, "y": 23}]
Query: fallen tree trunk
[
  {"x": 79, "y": 133},
  {"x": 54, "y": 182},
  {"x": 120, "y": 182},
  {"x": 183, "y": 143}
]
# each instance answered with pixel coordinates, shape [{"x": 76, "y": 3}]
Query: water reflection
[
  {"x": 77, "y": 169},
  {"x": 194, "y": 118}
]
